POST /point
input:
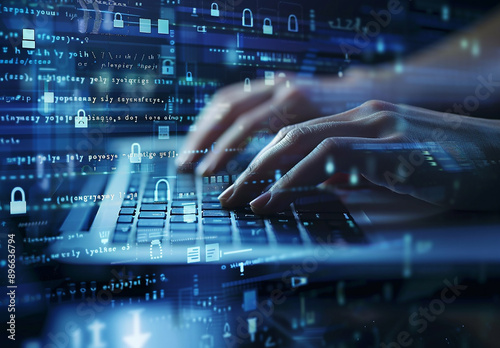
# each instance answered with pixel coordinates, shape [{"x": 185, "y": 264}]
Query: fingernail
[
  {"x": 261, "y": 201},
  {"x": 224, "y": 196}
]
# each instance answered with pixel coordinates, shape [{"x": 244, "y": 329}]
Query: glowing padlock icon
[
  {"x": 167, "y": 67},
  {"x": 247, "y": 18},
  {"x": 81, "y": 120},
  {"x": 17, "y": 207},
  {"x": 158, "y": 186},
  {"x": 293, "y": 23},
  {"x": 118, "y": 20},
  {"x": 214, "y": 10},
  {"x": 189, "y": 76},
  {"x": 267, "y": 28},
  {"x": 247, "y": 86},
  {"x": 135, "y": 157}
]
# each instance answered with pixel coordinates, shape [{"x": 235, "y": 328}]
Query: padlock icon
[
  {"x": 247, "y": 18},
  {"x": 81, "y": 120},
  {"x": 135, "y": 157},
  {"x": 17, "y": 207},
  {"x": 293, "y": 23},
  {"x": 157, "y": 186},
  {"x": 167, "y": 67},
  {"x": 189, "y": 76},
  {"x": 267, "y": 28},
  {"x": 118, "y": 20},
  {"x": 247, "y": 86},
  {"x": 214, "y": 10}
]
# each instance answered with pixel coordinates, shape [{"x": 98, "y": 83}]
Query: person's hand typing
[
  {"x": 234, "y": 114},
  {"x": 360, "y": 140}
]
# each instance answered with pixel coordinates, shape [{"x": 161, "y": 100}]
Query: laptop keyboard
[{"x": 188, "y": 216}]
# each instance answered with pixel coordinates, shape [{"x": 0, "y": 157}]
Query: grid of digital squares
[
  {"x": 28, "y": 39},
  {"x": 144, "y": 24}
]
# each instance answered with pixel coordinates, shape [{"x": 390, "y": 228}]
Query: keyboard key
[
  {"x": 127, "y": 219},
  {"x": 210, "y": 199},
  {"x": 321, "y": 216},
  {"x": 247, "y": 216},
  {"x": 285, "y": 214},
  {"x": 216, "y": 221},
  {"x": 253, "y": 235},
  {"x": 152, "y": 215},
  {"x": 189, "y": 218},
  {"x": 216, "y": 230},
  {"x": 182, "y": 204},
  {"x": 245, "y": 209},
  {"x": 188, "y": 209},
  {"x": 221, "y": 239},
  {"x": 325, "y": 207},
  {"x": 185, "y": 197},
  {"x": 184, "y": 227},
  {"x": 154, "y": 207},
  {"x": 221, "y": 234},
  {"x": 151, "y": 223},
  {"x": 123, "y": 228},
  {"x": 287, "y": 233},
  {"x": 215, "y": 213},
  {"x": 211, "y": 206},
  {"x": 250, "y": 223},
  {"x": 129, "y": 204},
  {"x": 127, "y": 211},
  {"x": 280, "y": 221},
  {"x": 320, "y": 232}
]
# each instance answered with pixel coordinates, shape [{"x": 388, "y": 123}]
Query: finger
[
  {"x": 236, "y": 137},
  {"x": 314, "y": 169},
  {"x": 218, "y": 115},
  {"x": 288, "y": 106},
  {"x": 294, "y": 146},
  {"x": 371, "y": 110}
]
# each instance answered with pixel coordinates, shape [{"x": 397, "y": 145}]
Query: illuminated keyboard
[{"x": 189, "y": 216}]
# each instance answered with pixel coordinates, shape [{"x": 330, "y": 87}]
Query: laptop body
[{"x": 151, "y": 214}]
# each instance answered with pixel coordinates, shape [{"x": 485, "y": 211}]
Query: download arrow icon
[{"x": 137, "y": 339}]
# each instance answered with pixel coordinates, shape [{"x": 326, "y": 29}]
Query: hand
[
  {"x": 406, "y": 149},
  {"x": 234, "y": 115}
]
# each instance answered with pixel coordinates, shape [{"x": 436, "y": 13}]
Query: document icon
[
  {"x": 212, "y": 252},
  {"x": 193, "y": 255}
]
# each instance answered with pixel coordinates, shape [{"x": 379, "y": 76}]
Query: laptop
[
  {"x": 145, "y": 213},
  {"x": 107, "y": 132},
  {"x": 114, "y": 247},
  {"x": 92, "y": 175}
]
